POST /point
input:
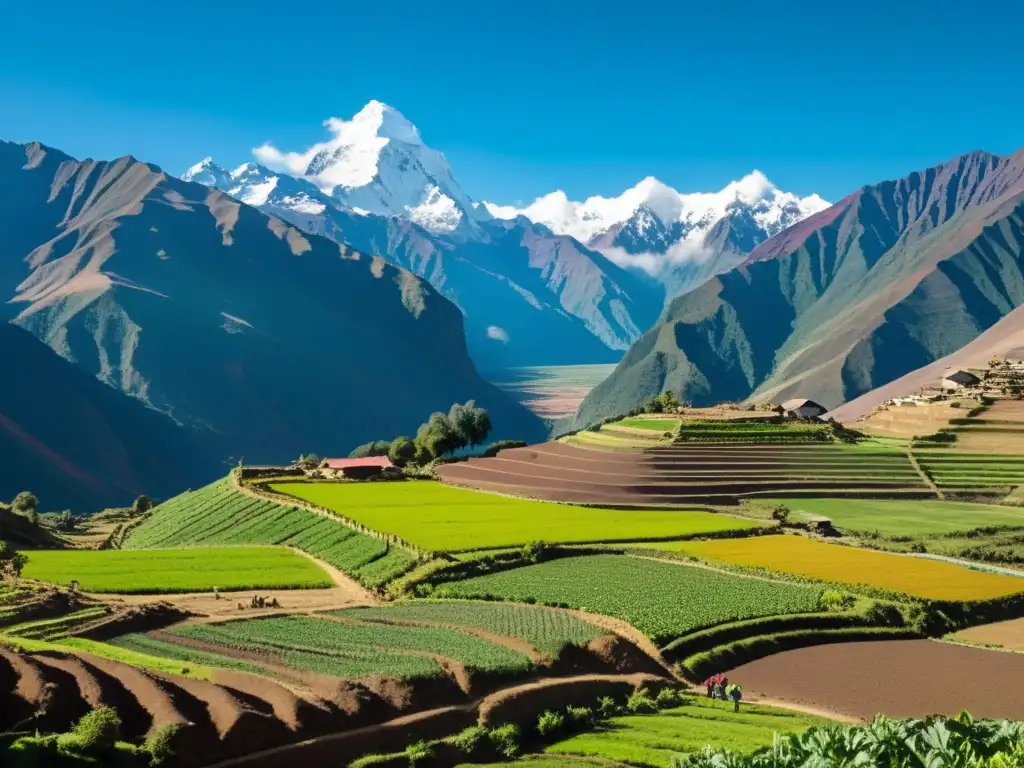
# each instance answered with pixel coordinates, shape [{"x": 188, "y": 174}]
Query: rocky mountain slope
[
  {"x": 81, "y": 445},
  {"x": 266, "y": 340},
  {"x": 889, "y": 279},
  {"x": 681, "y": 240},
  {"x": 529, "y": 297}
]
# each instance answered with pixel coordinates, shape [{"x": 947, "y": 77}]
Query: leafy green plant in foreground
[{"x": 935, "y": 741}]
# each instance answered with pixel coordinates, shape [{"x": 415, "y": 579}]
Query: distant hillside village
[{"x": 1002, "y": 378}]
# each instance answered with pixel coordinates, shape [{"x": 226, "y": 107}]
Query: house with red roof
[{"x": 356, "y": 469}]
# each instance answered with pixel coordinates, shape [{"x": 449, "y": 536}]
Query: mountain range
[
  {"x": 554, "y": 283},
  {"x": 261, "y": 340},
  {"x": 887, "y": 280}
]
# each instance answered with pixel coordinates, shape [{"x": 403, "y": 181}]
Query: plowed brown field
[{"x": 901, "y": 678}]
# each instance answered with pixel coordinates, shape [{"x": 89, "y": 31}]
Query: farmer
[
  {"x": 723, "y": 683},
  {"x": 710, "y": 683},
  {"x": 735, "y": 693}
]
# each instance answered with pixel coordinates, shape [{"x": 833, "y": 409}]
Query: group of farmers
[{"x": 719, "y": 687}]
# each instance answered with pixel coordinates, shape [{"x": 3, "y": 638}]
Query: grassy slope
[
  {"x": 441, "y": 518},
  {"x": 176, "y": 570},
  {"x": 662, "y": 600},
  {"x": 905, "y": 518},
  {"x": 219, "y": 514}
]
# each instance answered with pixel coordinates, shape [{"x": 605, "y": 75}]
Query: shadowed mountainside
[
  {"x": 81, "y": 445},
  {"x": 266, "y": 340},
  {"x": 888, "y": 280}
]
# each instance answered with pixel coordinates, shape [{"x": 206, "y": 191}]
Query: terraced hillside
[
  {"x": 220, "y": 515},
  {"x": 693, "y": 472}
]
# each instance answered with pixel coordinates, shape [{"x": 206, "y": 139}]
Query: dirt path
[
  {"x": 924, "y": 475},
  {"x": 357, "y": 592}
]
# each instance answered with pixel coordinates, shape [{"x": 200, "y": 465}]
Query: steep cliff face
[
  {"x": 266, "y": 340},
  {"x": 887, "y": 280}
]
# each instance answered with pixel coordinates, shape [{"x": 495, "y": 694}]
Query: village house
[
  {"x": 801, "y": 408},
  {"x": 355, "y": 469},
  {"x": 957, "y": 378}
]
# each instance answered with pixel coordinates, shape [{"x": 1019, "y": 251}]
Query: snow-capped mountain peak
[
  {"x": 206, "y": 172},
  {"x": 377, "y": 162}
]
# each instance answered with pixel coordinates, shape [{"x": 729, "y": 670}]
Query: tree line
[{"x": 443, "y": 434}]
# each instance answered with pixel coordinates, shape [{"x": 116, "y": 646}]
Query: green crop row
[
  {"x": 725, "y": 634},
  {"x": 346, "y": 648},
  {"x": 141, "y": 643},
  {"x": 221, "y": 515},
  {"x": 48, "y": 629},
  {"x": 545, "y": 629},
  {"x": 662, "y": 600},
  {"x": 700, "y": 665}
]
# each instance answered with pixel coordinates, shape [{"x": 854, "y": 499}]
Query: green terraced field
[
  {"x": 655, "y": 425},
  {"x": 700, "y": 430},
  {"x": 359, "y": 649},
  {"x": 652, "y": 740},
  {"x": 176, "y": 570},
  {"x": 548, "y": 630},
  {"x": 920, "y": 517},
  {"x": 220, "y": 515},
  {"x": 441, "y": 518},
  {"x": 140, "y": 643},
  {"x": 662, "y": 600}
]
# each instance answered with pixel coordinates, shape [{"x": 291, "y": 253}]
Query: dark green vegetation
[
  {"x": 238, "y": 310},
  {"x": 125, "y": 448},
  {"x": 939, "y": 740},
  {"x": 662, "y": 600},
  {"x": 357, "y": 650},
  {"x": 465, "y": 425},
  {"x": 546, "y": 629},
  {"x": 938, "y": 263},
  {"x": 220, "y": 514},
  {"x": 762, "y": 431}
]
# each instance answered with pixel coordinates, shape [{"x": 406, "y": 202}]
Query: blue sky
[{"x": 528, "y": 97}]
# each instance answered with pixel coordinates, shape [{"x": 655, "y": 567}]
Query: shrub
[
  {"x": 402, "y": 451},
  {"x": 535, "y": 551},
  {"x": 884, "y": 614},
  {"x": 640, "y": 702},
  {"x": 142, "y": 505},
  {"x": 607, "y": 707},
  {"x": 668, "y": 698},
  {"x": 419, "y": 751},
  {"x": 580, "y": 717},
  {"x": 834, "y": 600},
  {"x": 781, "y": 513},
  {"x": 505, "y": 739},
  {"x": 97, "y": 730},
  {"x": 159, "y": 743},
  {"x": 470, "y": 740},
  {"x": 550, "y": 723}
]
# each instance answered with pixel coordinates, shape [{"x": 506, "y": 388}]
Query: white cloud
[
  {"x": 498, "y": 334},
  {"x": 652, "y": 263},
  {"x": 501, "y": 211},
  {"x": 289, "y": 162}
]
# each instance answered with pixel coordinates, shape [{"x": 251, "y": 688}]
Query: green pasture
[{"x": 441, "y": 518}]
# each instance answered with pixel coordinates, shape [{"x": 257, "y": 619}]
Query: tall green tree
[{"x": 25, "y": 503}]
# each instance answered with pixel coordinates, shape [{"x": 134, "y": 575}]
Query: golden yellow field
[{"x": 929, "y": 579}]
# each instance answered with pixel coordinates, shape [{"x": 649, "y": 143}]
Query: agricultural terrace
[
  {"x": 546, "y": 629},
  {"x": 356, "y": 650},
  {"x": 176, "y": 570},
  {"x": 760, "y": 431},
  {"x": 904, "y": 518},
  {"x": 656, "y": 425},
  {"x": 663, "y": 600},
  {"x": 440, "y": 518},
  {"x": 915, "y": 576},
  {"x": 971, "y": 473},
  {"x": 219, "y": 514},
  {"x": 653, "y": 740},
  {"x": 999, "y": 429}
]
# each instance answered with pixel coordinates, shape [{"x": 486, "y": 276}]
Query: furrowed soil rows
[{"x": 900, "y": 678}]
